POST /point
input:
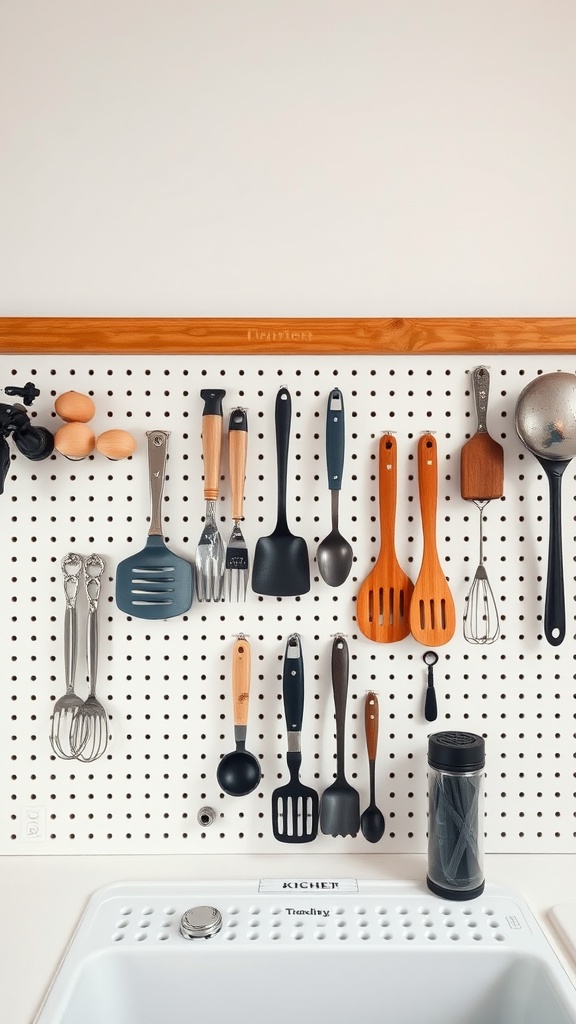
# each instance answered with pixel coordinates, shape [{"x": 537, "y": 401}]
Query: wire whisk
[{"x": 481, "y": 619}]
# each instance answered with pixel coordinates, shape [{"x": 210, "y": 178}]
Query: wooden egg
[
  {"x": 74, "y": 440},
  {"x": 74, "y": 407},
  {"x": 116, "y": 444}
]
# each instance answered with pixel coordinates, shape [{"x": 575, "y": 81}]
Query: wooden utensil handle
[
  {"x": 212, "y": 440},
  {"x": 387, "y": 488},
  {"x": 428, "y": 486},
  {"x": 241, "y": 680},
  {"x": 237, "y": 451},
  {"x": 371, "y": 720}
]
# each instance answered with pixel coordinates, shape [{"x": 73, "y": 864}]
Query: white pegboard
[{"x": 167, "y": 684}]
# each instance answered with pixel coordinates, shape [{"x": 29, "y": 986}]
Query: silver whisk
[
  {"x": 481, "y": 620},
  {"x": 67, "y": 705}
]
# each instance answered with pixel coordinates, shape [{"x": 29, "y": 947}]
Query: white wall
[{"x": 287, "y": 157}]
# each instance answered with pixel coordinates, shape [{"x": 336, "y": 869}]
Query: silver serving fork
[
  {"x": 237, "y": 561},
  {"x": 67, "y": 706},
  {"x": 89, "y": 737},
  {"x": 210, "y": 554}
]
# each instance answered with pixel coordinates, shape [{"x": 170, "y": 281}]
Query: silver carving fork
[
  {"x": 210, "y": 553},
  {"x": 237, "y": 560}
]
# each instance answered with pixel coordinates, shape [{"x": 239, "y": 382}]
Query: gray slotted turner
[
  {"x": 294, "y": 806},
  {"x": 340, "y": 803},
  {"x": 155, "y": 583}
]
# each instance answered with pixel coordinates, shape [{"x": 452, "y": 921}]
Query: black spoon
[{"x": 372, "y": 820}]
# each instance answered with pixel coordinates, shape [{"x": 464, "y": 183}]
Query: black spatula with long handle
[
  {"x": 294, "y": 806},
  {"x": 155, "y": 583},
  {"x": 281, "y": 564},
  {"x": 340, "y": 803}
]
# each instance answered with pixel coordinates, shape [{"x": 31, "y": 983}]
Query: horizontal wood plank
[{"x": 286, "y": 336}]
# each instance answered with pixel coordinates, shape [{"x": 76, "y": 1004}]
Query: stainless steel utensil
[
  {"x": 237, "y": 561},
  {"x": 66, "y": 706},
  {"x": 210, "y": 554},
  {"x": 340, "y": 803},
  {"x": 334, "y": 554},
  {"x": 481, "y": 480},
  {"x": 89, "y": 736},
  {"x": 155, "y": 583},
  {"x": 546, "y": 424},
  {"x": 481, "y": 619}
]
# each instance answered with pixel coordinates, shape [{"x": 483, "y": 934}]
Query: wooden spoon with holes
[
  {"x": 384, "y": 597},
  {"x": 432, "y": 611}
]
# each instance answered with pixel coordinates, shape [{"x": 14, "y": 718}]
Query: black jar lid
[{"x": 456, "y": 751}]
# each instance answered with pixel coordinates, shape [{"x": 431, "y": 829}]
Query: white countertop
[{"x": 43, "y": 899}]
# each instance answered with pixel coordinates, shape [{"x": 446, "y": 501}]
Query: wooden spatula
[
  {"x": 481, "y": 458},
  {"x": 432, "y": 611},
  {"x": 384, "y": 597}
]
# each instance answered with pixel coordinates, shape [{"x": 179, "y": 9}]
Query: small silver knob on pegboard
[
  {"x": 200, "y": 923},
  {"x": 206, "y": 816}
]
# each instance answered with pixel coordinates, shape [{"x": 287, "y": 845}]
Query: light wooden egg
[
  {"x": 74, "y": 407},
  {"x": 116, "y": 444},
  {"x": 74, "y": 440}
]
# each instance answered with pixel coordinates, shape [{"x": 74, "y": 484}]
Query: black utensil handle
[
  {"x": 430, "y": 706},
  {"x": 283, "y": 418},
  {"x": 554, "y": 609},
  {"x": 335, "y": 435},
  {"x": 293, "y": 684},
  {"x": 340, "y": 663},
  {"x": 212, "y": 401}
]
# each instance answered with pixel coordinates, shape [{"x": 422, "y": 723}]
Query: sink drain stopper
[{"x": 200, "y": 923}]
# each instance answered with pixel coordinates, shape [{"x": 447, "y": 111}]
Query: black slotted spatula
[
  {"x": 155, "y": 583},
  {"x": 295, "y": 807}
]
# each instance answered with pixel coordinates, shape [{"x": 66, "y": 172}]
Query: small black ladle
[
  {"x": 430, "y": 706},
  {"x": 238, "y": 772}
]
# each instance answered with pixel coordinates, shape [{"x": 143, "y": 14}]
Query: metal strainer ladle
[{"x": 546, "y": 424}]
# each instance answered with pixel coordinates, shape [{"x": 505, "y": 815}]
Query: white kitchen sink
[{"x": 308, "y": 951}]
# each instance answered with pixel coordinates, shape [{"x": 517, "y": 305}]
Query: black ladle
[
  {"x": 238, "y": 772},
  {"x": 546, "y": 424},
  {"x": 430, "y": 705}
]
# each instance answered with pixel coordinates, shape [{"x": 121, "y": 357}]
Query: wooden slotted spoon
[
  {"x": 432, "y": 611},
  {"x": 384, "y": 598}
]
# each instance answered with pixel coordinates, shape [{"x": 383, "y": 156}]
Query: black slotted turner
[
  {"x": 295, "y": 807},
  {"x": 155, "y": 583}
]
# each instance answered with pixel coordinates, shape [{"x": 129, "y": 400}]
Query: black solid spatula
[
  {"x": 155, "y": 583},
  {"x": 340, "y": 802},
  {"x": 294, "y": 806},
  {"x": 281, "y": 564}
]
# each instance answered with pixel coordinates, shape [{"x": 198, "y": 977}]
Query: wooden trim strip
[{"x": 285, "y": 336}]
